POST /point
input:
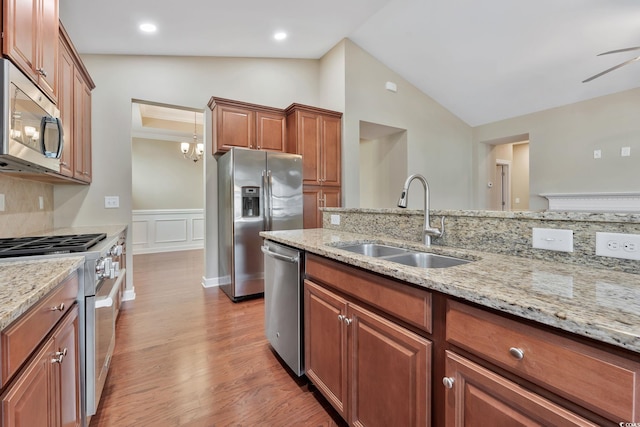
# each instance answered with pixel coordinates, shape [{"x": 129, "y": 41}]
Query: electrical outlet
[
  {"x": 618, "y": 245},
  {"x": 41, "y": 202},
  {"x": 111, "y": 202},
  {"x": 335, "y": 219},
  {"x": 553, "y": 239}
]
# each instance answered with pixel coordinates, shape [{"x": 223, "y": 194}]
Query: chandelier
[{"x": 193, "y": 150}]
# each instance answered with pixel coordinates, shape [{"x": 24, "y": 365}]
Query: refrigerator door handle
[{"x": 267, "y": 185}]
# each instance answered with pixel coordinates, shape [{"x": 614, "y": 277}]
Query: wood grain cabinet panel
[
  {"x": 315, "y": 198},
  {"x": 30, "y": 40},
  {"x": 600, "y": 381},
  {"x": 480, "y": 397},
  {"x": 270, "y": 130},
  {"x": 372, "y": 371}
]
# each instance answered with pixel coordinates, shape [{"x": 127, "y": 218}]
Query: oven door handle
[{"x": 108, "y": 301}]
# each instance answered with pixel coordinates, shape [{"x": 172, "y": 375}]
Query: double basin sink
[{"x": 404, "y": 256}]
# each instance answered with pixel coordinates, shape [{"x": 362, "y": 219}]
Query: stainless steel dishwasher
[{"x": 283, "y": 303}]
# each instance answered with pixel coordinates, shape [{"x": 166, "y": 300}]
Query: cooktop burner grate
[{"x": 43, "y": 245}]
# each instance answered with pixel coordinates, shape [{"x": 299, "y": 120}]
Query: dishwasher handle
[{"x": 280, "y": 257}]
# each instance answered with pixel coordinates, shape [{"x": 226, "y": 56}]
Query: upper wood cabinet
[
  {"x": 240, "y": 124},
  {"x": 74, "y": 102},
  {"x": 30, "y": 39},
  {"x": 316, "y": 135}
]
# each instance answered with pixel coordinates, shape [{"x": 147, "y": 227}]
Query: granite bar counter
[
  {"x": 24, "y": 283},
  {"x": 593, "y": 302}
]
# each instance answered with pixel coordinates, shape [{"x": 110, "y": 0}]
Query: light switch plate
[
  {"x": 553, "y": 239},
  {"x": 335, "y": 219},
  {"x": 1, "y": 202}
]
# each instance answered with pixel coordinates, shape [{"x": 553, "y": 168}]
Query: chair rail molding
[{"x": 167, "y": 230}]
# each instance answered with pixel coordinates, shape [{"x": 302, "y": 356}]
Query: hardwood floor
[{"x": 188, "y": 356}]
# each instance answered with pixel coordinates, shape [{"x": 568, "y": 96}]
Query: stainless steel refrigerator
[{"x": 257, "y": 190}]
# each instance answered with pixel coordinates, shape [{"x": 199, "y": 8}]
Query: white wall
[
  {"x": 181, "y": 81},
  {"x": 561, "y": 145},
  {"x": 162, "y": 178},
  {"x": 438, "y": 143}
]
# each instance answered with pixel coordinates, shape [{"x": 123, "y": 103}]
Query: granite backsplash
[{"x": 507, "y": 233}]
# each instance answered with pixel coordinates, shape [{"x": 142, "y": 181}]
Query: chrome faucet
[{"x": 427, "y": 231}]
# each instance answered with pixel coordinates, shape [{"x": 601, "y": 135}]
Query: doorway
[
  {"x": 509, "y": 176},
  {"x": 167, "y": 185},
  {"x": 502, "y": 182}
]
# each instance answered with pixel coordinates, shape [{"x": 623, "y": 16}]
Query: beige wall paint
[
  {"x": 520, "y": 178},
  {"x": 181, "y": 81},
  {"x": 561, "y": 144},
  {"x": 22, "y": 214},
  {"x": 163, "y": 179},
  {"x": 438, "y": 143},
  {"x": 381, "y": 190}
]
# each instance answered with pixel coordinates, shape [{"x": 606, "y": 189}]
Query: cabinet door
[
  {"x": 480, "y": 397},
  {"x": 20, "y": 34},
  {"x": 30, "y": 400},
  {"x": 311, "y": 203},
  {"x": 326, "y": 344},
  {"x": 330, "y": 146},
  {"x": 86, "y": 132},
  {"x": 65, "y": 104},
  {"x": 48, "y": 47},
  {"x": 309, "y": 129},
  {"x": 270, "y": 131},
  {"x": 233, "y": 127},
  {"x": 69, "y": 370},
  {"x": 78, "y": 135},
  {"x": 390, "y": 372}
]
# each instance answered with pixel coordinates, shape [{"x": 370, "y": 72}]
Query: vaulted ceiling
[{"x": 483, "y": 60}]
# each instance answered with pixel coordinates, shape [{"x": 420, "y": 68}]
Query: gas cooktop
[{"x": 45, "y": 245}]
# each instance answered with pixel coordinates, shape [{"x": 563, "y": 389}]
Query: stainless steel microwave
[{"x": 32, "y": 135}]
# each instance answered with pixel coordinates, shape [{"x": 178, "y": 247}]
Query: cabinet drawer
[
  {"x": 22, "y": 337},
  {"x": 604, "y": 383},
  {"x": 397, "y": 299}
]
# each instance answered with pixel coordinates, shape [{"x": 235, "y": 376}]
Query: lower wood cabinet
[
  {"x": 373, "y": 371},
  {"x": 316, "y": 197},
  {"x": 476, "y": 396},
  {"x": 46, "y": 392}
]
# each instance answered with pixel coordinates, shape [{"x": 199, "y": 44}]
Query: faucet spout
[{"x": 427, "y": 231}]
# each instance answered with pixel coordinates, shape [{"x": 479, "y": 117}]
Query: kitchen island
[{"x": 563, "y": 326}]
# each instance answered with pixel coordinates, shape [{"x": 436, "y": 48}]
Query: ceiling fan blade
[
  {"x": 611, "y": 69},
  {"x": 628, "y": 49}
]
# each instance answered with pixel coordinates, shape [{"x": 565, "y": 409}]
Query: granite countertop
[
  {"x": 596, "y": 303},
  {"x": 24, "y": 283}
]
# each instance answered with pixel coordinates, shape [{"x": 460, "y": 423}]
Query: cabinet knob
[
  {"x": 42, "y": 72},
  {"x": 58, "y": 307},
  {"x": 341, "y": 317},
  {"x": 517, "y": 353},
  {"x": 448, "y": 382},
  {"x": 347, "y": 321}
]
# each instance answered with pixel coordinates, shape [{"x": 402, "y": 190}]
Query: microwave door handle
[{"x": 60, "y": 138}]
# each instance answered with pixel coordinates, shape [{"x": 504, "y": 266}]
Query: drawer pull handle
[
  {"x": 58, "y": 307},
  {"x": 517, "y": 353},
  {"x": 448, "y": 382}
]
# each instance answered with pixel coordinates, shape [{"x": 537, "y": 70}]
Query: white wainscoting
[{"x": 167, "y": 230}]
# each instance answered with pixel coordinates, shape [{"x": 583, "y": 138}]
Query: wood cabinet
[
  {"x": 240, "y": 124},
  {"x": 47, "y": 390},
  {"x": 316, "y": 135},
  {"x": 316, "y": 197},
  {"x": 476, "y": 396},
  {"x": 30, "y": 40},
  {"x": 372, "y": 370},
  {"x": 40, "y": 363},
  {"x": 599, "y": 381},
  {"x": 75, "y": 112}
]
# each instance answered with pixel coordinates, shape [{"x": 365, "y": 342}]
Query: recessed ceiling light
[
  {"x": 280, "y": 35},
  {"x": 148, "y": 28}
]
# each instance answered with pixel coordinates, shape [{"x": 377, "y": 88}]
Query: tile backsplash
[
  {"x": 22, "y": 214},
  {"x": 507, "y": 233}
]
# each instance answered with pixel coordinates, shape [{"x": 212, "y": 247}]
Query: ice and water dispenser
[{"x": 250, "y": 201}]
